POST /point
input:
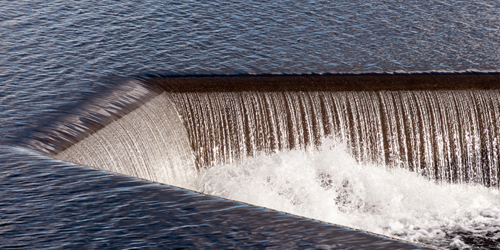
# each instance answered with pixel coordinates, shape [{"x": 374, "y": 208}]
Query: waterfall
[
  {"x": 444, "y": 135},
  {"x": 141, "y": 143},
  {"x": 442, "y": 126}
]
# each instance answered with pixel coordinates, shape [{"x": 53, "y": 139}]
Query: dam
[
  {"x": 441, "y": 126},
  {"x": 431, "y": 185},
  {"x": 208, "y": 133}
]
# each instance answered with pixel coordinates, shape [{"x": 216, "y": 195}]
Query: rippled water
[
  {"x": 68, "y": 45},
  {"x": 54, "y": 52}
]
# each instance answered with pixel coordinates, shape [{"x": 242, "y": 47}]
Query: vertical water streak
[
  {"x": 494, "y": 128},
  {"x": 150, "y": 143},
  {"x": 444, "y": 135}
]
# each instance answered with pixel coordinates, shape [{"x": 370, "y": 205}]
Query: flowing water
[
  {"x": 330, "y": 185},
  {"x": 420, "y": 165},
  {"x": 412, "y": 164}
]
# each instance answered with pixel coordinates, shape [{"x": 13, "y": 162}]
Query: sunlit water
[
  {"x": 53, "y": 52},
  {"x": 328, "y": 184}
]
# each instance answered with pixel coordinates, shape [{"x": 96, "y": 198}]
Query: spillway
[
  {"x": 165, "y": 128},
  {"x": 412, "y": 156}
]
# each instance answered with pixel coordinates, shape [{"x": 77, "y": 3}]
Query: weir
[{"x": 162, "y": 128}]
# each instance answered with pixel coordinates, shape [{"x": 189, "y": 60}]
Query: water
[
  {"x": 409, "y": 170},
  {"x": 52, "y": 205},
  {"x": 54, "y": 53},
  {"x": 330, "y": 185},
  {"x": 417, "y": 130},
  {"x": 449, "y": 135}
]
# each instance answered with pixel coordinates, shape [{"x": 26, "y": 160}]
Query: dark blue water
[{"x": 53, "y": 53}]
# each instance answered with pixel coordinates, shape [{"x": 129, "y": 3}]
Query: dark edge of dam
[{"x": 324, "y": 82}]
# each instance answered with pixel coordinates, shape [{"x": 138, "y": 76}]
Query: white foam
[{"x": 328, "y": 184}]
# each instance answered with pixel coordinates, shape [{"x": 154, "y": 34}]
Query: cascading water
[
  {"x": 305, "y": 139},
  {"x": 444, "y": 135},
  {"x": 150, "y": 142}
]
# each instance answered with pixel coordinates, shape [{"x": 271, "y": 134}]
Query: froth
[{"x": 328, "y": 184}]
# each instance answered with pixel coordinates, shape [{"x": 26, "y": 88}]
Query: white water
[{"x": 328, "y": 184}]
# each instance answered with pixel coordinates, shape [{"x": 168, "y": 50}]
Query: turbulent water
[
  {"x": 53, "y": 53},
  {"x": 330, "y": 185}
]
